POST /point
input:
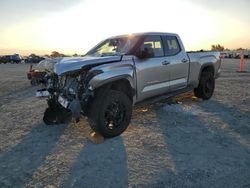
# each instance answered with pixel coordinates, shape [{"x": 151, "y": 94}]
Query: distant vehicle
[
  {"x": 230, "y": 55},
  {"x": 224, "y": 55},
  {"x": 34, "y": 59},
  {"x": 16, "y": 58},
  {"x": 238, "y": 55},
  {"x": 246, "y": 55}
]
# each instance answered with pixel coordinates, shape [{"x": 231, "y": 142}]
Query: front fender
[{"x": 114, "y": 74}]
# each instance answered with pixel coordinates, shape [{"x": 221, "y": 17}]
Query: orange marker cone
[{"x": 242, "y": 62}]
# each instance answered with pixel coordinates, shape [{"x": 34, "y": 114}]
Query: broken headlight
[{"x": 46, "y": 65}]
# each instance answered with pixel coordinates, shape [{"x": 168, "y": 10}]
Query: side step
[{"x": 165, "y": 96}]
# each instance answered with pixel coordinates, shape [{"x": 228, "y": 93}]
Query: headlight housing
[{"x": 46, "y": 65}]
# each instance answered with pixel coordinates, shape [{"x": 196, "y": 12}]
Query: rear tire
[
  {"x": 110, "y": 112},
  {"x": 206, "y": 86}
]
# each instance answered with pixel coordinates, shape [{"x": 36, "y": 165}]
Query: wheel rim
[{"x": 114, "y": 115}]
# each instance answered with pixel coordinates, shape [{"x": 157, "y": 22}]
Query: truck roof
[{"x": 145, "y": 33}]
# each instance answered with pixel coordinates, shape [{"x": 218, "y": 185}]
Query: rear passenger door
[{"x": 179, "y": 62}]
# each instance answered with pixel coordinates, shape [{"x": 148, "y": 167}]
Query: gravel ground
[{"x": 179, "y": 142}]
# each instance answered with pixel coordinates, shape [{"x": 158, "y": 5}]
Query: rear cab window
[{"x": 171, "y": 45}]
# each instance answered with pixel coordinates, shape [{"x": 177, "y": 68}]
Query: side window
[
  {"x": 172, "y": 46},
  {"x": 152, "y": 45}
]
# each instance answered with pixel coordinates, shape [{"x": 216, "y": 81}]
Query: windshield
[{"x": 114, "y": 46}]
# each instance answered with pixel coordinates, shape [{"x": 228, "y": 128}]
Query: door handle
[
  {"x": 184, "y": 60},
  {"x": 165, "y": 63}
]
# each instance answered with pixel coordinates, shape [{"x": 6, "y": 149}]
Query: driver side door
[{"x": 153, "y": 75}]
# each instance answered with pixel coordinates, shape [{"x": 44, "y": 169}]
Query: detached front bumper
[
  {"x": 60, "y": 109},
  {"x": 74, "y": 106}
]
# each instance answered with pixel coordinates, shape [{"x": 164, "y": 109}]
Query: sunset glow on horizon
[{"x": 76, "y": 27}]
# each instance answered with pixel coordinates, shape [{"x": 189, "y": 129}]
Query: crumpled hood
[{"x": 70, "y": 64}]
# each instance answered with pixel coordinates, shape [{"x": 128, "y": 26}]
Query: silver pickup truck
[{"x": 121, "y": 71}]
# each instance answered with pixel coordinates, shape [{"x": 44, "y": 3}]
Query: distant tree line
[
  {"x": 55, "y": 54},
  {"x": 219, "y": 47}
]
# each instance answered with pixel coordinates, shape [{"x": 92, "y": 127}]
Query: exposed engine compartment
[{"x": 68, "y": 96}]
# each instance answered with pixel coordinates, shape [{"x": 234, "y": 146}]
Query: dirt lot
[{"x": 182, "y": 142}]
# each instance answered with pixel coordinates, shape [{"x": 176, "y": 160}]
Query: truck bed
[{"x": 199, "y": 59}]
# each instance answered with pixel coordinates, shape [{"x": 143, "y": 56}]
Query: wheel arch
[
  {"x": 120, "y": 83},
  {"x": 208, "y": 67}
]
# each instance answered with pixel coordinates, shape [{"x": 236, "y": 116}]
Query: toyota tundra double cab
[{"x": 119, "y": 72}]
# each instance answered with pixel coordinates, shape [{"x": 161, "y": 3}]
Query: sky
[{"x": 43, "y": 26}]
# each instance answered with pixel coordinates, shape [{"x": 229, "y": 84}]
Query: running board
[{"x": 165, "y": 96}]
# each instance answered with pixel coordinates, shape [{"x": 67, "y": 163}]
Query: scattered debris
[{"x": 96, "y": 138}]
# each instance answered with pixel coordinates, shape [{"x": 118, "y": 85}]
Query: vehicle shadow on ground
[
  {"x": 18, "y": 164},
  {"x": 204, "y": 155},
  {"x": 31, "y": 161},
  {"x": 236, "y": 120},
  {"x": 103, "y": 165}
]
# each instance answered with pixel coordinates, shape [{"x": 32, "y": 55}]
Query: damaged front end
[
  {"x": 68, "y": 90},
  {"x": 68, "y": 96}
]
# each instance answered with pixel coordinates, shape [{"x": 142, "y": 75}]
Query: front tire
[
  {"x": 110, "y": 113},
  {"x": 206, "y": 86}
]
